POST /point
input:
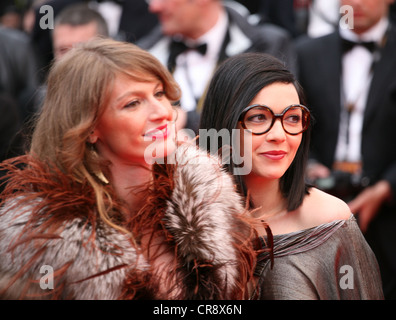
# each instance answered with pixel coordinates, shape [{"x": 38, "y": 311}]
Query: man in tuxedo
[
  {"x": 350, "y": 83},
  {"x": 194, "y": 36},
  {"x": 126, "y": 20},
  {"x": 75, "y": 24}
]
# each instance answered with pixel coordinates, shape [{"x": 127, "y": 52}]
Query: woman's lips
[
  {"x": 274, "y": 155},
  {"x": 160, "y": 132}
]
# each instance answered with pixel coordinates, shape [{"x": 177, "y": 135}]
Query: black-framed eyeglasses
[{"x": 259, "y": 119}]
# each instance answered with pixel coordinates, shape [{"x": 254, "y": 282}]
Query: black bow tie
[
  {"x": 178, "y": 47},
  {"x": 348, "y": 45}
]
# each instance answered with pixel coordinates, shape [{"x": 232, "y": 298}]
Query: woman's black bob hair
[{"x": 233, "y": 86}]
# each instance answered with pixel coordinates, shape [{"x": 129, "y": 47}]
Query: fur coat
[{"x": 54, "y": 246}]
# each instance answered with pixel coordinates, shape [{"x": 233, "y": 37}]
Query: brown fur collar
[{"x": 49, "y": 220}]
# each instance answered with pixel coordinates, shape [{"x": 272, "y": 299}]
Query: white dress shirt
[
  {"x": 193, "y": 70},
  {"x": 356, "y": 79}
]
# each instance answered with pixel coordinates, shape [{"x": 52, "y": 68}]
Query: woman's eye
[
  {"x": 159, "y": 94},
  {"x": 132, "y": 104},
  {"x": 293, "y": 118},
  {"x": 257, "y": 118}
]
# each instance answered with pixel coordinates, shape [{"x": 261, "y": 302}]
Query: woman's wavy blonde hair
[{"x": 78, "y": 90}]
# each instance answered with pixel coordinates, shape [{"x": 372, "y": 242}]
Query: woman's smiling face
[
  {"x": 137, "y": 114},
  {"x": 274, "y": 151}
]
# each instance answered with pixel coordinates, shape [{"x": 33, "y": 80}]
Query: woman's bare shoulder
[{"x": 320, "y": 207}]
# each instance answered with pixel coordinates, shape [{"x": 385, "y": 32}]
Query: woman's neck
[
  {"x": 266, "y": 197},
  {"x": 129, "y": 182}
]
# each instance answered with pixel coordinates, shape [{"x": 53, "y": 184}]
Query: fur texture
[
  {"x": 73, "y": 254},
  {"x": 201, "y": 218},
  {"x": 192, "y": 205}
]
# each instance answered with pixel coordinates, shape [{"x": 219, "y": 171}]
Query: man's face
[
  {"x": 66, "y": 36},
  {"x": 366, "y": 13},
  {"x": 177, "y": 16}
]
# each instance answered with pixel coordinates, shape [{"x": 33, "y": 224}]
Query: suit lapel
[
  {"x": 332, "y": 74},
  {"x": 383, "y": 70}
]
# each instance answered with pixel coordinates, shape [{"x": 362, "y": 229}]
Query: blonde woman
[{"x": 93, "y": 211}]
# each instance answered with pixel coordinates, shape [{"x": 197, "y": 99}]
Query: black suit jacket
[
  {"x": 319, "y": 65},
  {"x": 18, "y": 69}
]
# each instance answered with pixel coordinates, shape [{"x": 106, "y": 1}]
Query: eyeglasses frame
[{"x": 274, "y": 117}]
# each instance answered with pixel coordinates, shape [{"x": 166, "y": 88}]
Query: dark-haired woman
[{"x": 318, "y": 249}]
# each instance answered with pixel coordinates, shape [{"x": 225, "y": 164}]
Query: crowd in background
[{"x": 27, "y": 49}]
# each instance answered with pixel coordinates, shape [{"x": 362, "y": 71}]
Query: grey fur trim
[
  {"x": 201, "y": 211},
  {"x": 89, "y": 258}
]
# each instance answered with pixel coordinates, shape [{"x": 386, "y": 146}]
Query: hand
[
  {"x": 316, "y": 170},
  {"x": 369, "y": 201}
]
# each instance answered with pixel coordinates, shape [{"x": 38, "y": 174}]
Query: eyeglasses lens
[{"x": 260, "y": 119}]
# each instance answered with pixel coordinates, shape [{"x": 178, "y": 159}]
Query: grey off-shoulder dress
[{"x": 329, "y": 262}]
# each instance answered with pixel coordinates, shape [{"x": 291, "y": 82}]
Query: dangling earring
[
  {"x": 97, "y": 171},
  {"x": 101, "y": 177}
]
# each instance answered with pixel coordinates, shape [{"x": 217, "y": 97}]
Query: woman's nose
[
  {"x": 161, "y": 110},
  {"x": 276, "y": 133}
]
